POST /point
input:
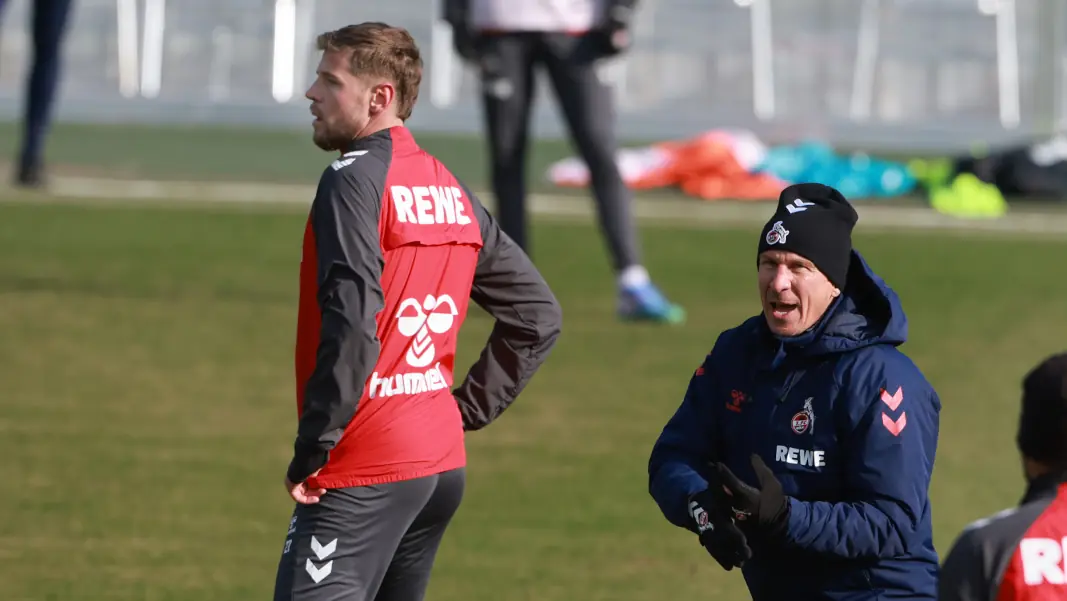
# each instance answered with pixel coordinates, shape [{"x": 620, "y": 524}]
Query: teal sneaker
[{"x": 647, "y": 303}]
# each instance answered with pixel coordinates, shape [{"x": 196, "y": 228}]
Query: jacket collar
[{"x": 782, "y": 347}]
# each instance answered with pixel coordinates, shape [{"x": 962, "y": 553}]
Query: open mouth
[{"x": 782, "y": 310}]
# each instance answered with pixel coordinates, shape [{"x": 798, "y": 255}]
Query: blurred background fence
[{"x": 881, "y": 75}]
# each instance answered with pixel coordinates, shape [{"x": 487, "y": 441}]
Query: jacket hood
[{"x": 867, "y": 313}]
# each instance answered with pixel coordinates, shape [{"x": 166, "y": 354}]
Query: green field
[
  {"x": 241, "y": 154},
  {"x": 147, "y": 410},
  {"x": 206, "y": 153}
]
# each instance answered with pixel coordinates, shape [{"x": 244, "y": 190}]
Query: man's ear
[
  {"x": 382, "y": 96},
  {"x": 836, "y": 293}
]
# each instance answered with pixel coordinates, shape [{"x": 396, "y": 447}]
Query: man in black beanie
[
  {"x": 810, "y": 236},
  {"x": 1020, "y": 553},
  {"x": 803, "y": 448}
]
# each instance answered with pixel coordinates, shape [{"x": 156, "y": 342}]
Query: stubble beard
[{"x": 333, "y": 138}]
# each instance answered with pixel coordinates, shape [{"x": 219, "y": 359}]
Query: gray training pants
[
  {"x": 507, "y": 62},
  {"x": 368, "y": 543}
]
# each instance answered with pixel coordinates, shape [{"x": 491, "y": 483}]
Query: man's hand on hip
[
  {"x": 766, "y": 506},
  {"x": 723, "y": 540},
  {"x": 301, "y": 493}
]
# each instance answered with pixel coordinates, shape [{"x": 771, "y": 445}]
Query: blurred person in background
[
  {"x": 49, "y": 25},
  {"x": 394, "y": 248},
  {"x": 803, "y": 448},
  {"x": 1020, "y": 554},
  {"x": 507, "y": 40}
]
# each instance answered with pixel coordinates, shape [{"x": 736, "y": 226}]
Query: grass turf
[
  {"x": 212, "y": 153},
  {"x": 246, "y": 154},
  {"x": 148, "y": 404}
]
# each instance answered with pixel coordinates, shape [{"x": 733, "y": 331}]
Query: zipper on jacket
[{"x": 791, "y": 381}]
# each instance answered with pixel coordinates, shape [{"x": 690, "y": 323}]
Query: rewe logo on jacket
[
  {"x": 427, "y": 205},
  {"x": 1043, "y": 560}
]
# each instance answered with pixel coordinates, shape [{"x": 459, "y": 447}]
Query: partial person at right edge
[
  {"x": 1018, "y": 554},
  {"x": 506, "y": 41}
]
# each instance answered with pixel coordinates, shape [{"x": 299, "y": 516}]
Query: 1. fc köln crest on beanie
[{"x": 815, "y": 222}]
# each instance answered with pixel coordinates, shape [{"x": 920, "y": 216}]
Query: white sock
[{"x": 633, "y": 276}]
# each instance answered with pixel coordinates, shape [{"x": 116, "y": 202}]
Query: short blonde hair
[{"x": 383, "y": 51}]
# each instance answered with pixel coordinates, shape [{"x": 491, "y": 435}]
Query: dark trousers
[
  {"x": 368, "y": 543},
  {"x": 49, "y": 23},
  {"x": 508, "y": 63}
]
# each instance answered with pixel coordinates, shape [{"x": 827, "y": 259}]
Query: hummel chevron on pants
[{"x": 368, "y": 543}]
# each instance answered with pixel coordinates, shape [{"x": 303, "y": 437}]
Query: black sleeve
[
  {"x": 455, "y": 12},
  {"x": 344, "y": 221},
  {"x": 963, "y": 574},
  {"x": 528, "y": 322},
  {"x": 620, "y": 13}
]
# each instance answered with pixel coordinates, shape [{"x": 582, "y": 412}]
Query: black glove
[
  {"x": 723, "y": 540},
  {"x": 464, "y": 40},
  {"x": 465, "y": 43},
  {"x": 766, "y": 506},
  {"x": 613, "y": 37}
]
